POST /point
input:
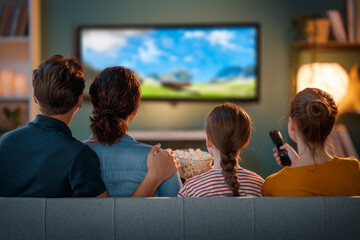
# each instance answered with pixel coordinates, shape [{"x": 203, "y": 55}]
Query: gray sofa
[{"x": 180, "y": 218}]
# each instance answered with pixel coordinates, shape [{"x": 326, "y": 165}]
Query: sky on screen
[{"x": 202, "y": 52}]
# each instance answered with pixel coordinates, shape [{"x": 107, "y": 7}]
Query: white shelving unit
[
  {"x": 22, "y": 54},
  {"x": 162, "y": 135},
  {"x": 12, "y": 39}
]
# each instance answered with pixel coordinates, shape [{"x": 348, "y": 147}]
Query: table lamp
[{"x": 329, "y": 77}]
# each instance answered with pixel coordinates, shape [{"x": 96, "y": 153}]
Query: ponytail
[
  {"x": 115, "y": 94},
  {"x": 107, "y": 128}
]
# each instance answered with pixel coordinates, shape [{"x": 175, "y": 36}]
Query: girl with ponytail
[
  {"x": 115, "y": 96},
  {"x": 228, "y": 129},
  {"x": 313, "y": 171}
]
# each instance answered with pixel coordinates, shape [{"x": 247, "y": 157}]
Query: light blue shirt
[{"x": 123, "y": 168}]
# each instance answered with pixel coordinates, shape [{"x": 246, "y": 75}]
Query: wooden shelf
[
  {"x": 331, "y": 45},
  {"x": 12, "y": 39}
]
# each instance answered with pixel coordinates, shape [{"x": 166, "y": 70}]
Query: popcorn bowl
[{"x": 193, "y": 162}]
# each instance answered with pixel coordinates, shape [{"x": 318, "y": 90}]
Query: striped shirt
[{"x": 212, "y": 184}]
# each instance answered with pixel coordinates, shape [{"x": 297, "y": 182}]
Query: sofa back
[{"x": 180, "y": 218}]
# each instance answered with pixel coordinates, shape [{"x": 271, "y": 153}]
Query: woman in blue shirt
[{"x": 115, "y": 95}]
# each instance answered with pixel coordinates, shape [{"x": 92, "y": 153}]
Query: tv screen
[{"x": 217, "y": 62}]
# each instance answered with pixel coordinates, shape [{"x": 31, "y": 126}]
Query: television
[{"x": 179, "y": 63}]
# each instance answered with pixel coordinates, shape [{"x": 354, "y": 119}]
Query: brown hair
[
  {"x": 115, "y": 94},
  {"x": 58, "y": 83},
  {"x": 314, "y": 112},
  {"x": 229, "y": 128}
]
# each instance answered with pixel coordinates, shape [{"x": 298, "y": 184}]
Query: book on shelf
[
  {"x": 337, "y": 25},
  {"x": 357, "y": 20},
  {"x": 9, "y": 21},
  {"x": 22, "y": 22},
  {"x": 350, "y": 16},
  {"x": 4, "y": 18},
  {"x": 14, "y": 20}
]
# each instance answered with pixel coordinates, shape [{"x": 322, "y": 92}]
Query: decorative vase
[{"x": 317, "y": 30}]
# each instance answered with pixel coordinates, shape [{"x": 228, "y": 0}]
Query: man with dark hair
[{"x": 42, "y": 159}]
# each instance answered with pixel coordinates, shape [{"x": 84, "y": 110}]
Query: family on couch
[{"x": 42, "y": 159}]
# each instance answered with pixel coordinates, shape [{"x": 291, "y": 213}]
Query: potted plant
[{"x": 11, "y": 120}]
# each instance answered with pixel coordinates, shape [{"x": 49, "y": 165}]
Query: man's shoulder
[
  {"x": 14, "y": 134},
  {"x": 81, "y": 149}
]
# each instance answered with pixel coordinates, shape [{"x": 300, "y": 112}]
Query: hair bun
[{"x": 318, "y": 110}]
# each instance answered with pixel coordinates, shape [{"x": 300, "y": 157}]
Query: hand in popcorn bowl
[{"x": 193, "y": 162}]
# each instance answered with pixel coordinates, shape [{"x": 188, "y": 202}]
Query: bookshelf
[
  {"x": 346, "y": 54},
  {"x": 331, "y": 45},
  {"x": 20, "y": 54},
  {"x": 14, "y": 39}
]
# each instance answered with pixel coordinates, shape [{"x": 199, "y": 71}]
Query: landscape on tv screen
[{"x": 179, "y": 63}]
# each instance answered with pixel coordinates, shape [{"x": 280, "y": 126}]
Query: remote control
[{"x": 278, "y": 142}]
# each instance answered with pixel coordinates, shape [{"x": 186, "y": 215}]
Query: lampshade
[
  {"x": 6, "y": 82},
  {"x": 20, "y": 84},
  {"x": 330, "y": 77}
]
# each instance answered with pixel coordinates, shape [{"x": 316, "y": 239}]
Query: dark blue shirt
[{"x": 42, "y": 159}]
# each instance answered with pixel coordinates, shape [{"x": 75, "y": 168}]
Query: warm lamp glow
[
  {"x": 6, "y": 82},
  {"x": 20, "y": 85},
  {"x": 330, "y": 77}
]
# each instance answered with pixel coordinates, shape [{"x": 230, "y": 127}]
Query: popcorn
[{"x": 193, "y": 162}]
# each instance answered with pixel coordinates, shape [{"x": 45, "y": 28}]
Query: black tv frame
[{"x": 178, "y": 25}]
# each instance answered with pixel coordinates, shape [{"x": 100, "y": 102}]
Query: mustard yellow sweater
[{"x": 336, "y": 177}]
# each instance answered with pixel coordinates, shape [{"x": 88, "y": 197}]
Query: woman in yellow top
[{"x": 313, "y": 171}]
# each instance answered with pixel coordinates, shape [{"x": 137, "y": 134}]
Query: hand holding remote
[
  {"x": 279, "y": 148},
  {"x": 291, "y": 152}
]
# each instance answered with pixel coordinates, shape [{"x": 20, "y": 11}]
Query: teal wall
[{"x": 60, "y": 20}]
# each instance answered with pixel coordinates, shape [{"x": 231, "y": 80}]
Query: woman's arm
[
  {"x": 171, "y": 186},
  {"x": 160, "y": 166}
]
